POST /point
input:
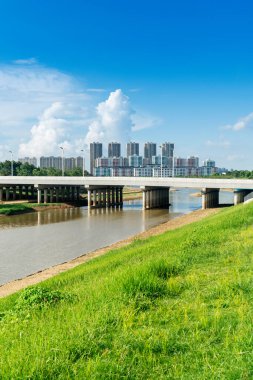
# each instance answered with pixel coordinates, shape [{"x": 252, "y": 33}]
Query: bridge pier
[
  {"x": 210, "y": 198},
  {"x": 102, "y": 197},
  {"x": 155, "y": 197},
  {"x": 239, "y": 196}
]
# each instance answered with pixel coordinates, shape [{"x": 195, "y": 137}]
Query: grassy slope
[{"x": 176, "y": 306}]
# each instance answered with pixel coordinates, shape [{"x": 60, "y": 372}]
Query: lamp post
[
  {"x": 161, "y": 160},
  {"x": 62, "y": 161},
  {"x": 82, "y": 150},
  {"x": 10, "y": 151}
]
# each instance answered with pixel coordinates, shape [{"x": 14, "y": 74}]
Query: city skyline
[{"x": 142, "y": 71}]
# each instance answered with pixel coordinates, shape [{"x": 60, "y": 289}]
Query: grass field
[{"x": 175, "y": 306}]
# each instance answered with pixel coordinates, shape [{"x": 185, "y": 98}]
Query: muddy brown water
[{"x": 35, "y": 241}]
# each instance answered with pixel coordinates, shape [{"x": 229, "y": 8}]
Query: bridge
[{"x": 108, "y": 191}]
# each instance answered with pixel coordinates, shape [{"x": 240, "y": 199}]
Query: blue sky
[{"x": 179, "y": 71}]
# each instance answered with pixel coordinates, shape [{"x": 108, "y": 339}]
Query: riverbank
[
  {"x": 177, "y": 305},
  {"x": 40, "y": 276},
  {"x": 10, "y": 208}
]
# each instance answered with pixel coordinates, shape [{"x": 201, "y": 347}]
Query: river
[{"x": 35, "y": 241}]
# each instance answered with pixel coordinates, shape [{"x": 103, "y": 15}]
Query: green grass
[
  {"x": 175, "y": 306},
  {"x": 21, "y": 208}
]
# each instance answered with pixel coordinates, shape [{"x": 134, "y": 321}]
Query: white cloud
[
  {"x": 113, "y": 121},
  {"x": 28, "y": 61},
  {"x": 47, "y": 135},
  {"x": 222, "y": 143},
  {"x": 246, "y": 121},
  {"x": 26, "y": 91}
]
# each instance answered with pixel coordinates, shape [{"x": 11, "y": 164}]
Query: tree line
[{"x": 26, "y": 169}]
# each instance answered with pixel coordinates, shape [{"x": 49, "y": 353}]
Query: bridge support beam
[
  {"x": 155, "y": 197},
  {"x": 210, "y": 198}
]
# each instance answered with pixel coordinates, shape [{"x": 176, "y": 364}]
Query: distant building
[
  {"x": 51, "y": 162},
  {"x": 114, "y": 149},
  {"x": 79, "y": 162},
  {"x": 56, "y": 162},
  {"x": 132, "y": 149},
  {"x": 135, "y": 161},
  {"x": 209, "y": 163},
  {"x": 168, "y": 149},
  {"x": 149, "y": 151},
  {"x": 28, "y": 160},
  {"x": 156, "y": 160},
  {"x": 96, "y": 151}
]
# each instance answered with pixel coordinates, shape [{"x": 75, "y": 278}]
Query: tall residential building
[
  {"x": 51, "y": 162},
  {"x": 114, "y": 149},
  {"x": 96, "y": 151},
  {"x": 28, "y": 160},
  {"x": 149, "y": 151},
  {"x": 132, "y": 149},
  {"x": 167, "y": 149}
]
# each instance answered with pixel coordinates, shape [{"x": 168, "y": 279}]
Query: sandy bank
[{"x": 35, "y": 278}]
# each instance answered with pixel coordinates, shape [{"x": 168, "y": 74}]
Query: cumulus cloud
[
  {"x": 26, "y": 91},
  {"x": 246, "y": 121},
  {"x": 113, "y": 120},
  {"x": 47, "y": 134}
]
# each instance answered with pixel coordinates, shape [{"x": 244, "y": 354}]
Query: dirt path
[{"x": 35, "y": 278}]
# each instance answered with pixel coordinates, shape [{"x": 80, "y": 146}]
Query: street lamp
[
  {"x": 10, "y": 151},
  {"x": 62, "y": 160},
  {"x": 161, "y": 160},
  {"x": 82, "y": 150}
]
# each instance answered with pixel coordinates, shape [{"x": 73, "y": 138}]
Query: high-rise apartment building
[
  {"x": 132, "y": 149},
  {"x": 114, "y": 149},
  {"x": 149, "y": 151},
  {"x": 167, "y": 149},
  {"x": 28, "y": 160},
  {"x": 96, "y": 151},
  {"x": 51, "y": 162}
]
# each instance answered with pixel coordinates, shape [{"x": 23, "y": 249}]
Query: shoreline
[{"x": 35, "y": 278}]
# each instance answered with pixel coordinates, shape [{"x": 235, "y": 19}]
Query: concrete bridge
[{"x": 108, "y": 191}]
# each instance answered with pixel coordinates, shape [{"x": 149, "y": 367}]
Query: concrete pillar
[
  {"x": 89, "y": 199},
  {"x": 32, "y": 192},
  {"x": 1, "y": 194},
  {"x": 39, "y": 196},
  {"x": 14, "y": 193},
  {"x": 104, "y": 198},
  {"x": 77, "y": 193},
  {"x": 7, "y": 192},
  {"x": 210, "y": 198},
  {"x": 57, "y": 194},
  {"x": 45, "y": 195},
  {"x": 121, "y": 196},
  {"x": 51, "y": 195},
  {"x": 113, "y": 196},
  {"x": 99, "y": 198},
  {"x": 94, "y": 198},
  {"x": 239, "y": 196},
  {"x": 27, "y": 192}
]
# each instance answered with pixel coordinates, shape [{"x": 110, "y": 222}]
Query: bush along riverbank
[{"x": 178, "y": 305}]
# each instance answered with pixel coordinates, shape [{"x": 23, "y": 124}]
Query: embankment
[{"x": 177, "y": 305}]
